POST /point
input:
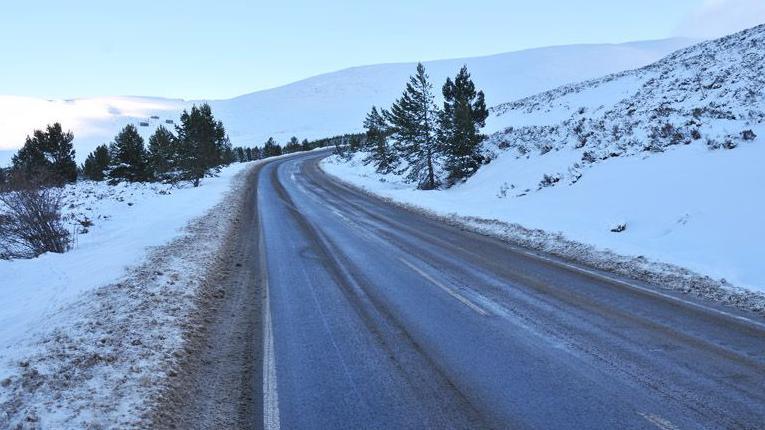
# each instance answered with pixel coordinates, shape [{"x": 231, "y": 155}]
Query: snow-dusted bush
[
  {"x": 31, "y": 222},
  {"x": 549, "y": 180},
  {"x": 748, "y": 135}
]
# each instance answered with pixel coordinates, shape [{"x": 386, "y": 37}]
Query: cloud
[{"x": 715, "y": 18}]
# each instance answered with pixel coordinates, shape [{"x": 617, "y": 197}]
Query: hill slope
[
  {"x": 328, "y": 104},
  {"x": 660, "y": 162},
  {"x": 711, "y": 92}
]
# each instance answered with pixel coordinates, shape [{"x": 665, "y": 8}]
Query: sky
[{"x": 195, "y": 49}]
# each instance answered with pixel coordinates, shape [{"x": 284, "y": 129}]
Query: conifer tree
[
  {"x": 292, "y": 146},
  {"x": 306, "y": 145},
  {"x": 228, "y": 155},
  {"x": 204, "y": 145},
  {"x": 461, "y": 119},
  {"x": 355, "y": 142},
  {"x": 414, "y": 126},
  {"x": 49, "y": 153},
  {"x": 240, "y": 155},
  {"x": 271, "y": 148},
  {"x": 381, "y": 155},
  {"x": 96, "y": 164},
  {"x": 128, "y": 157},
  {"x": 163, "y": 154}
]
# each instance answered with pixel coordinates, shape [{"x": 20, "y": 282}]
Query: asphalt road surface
[{"x": 375, "y": 317}]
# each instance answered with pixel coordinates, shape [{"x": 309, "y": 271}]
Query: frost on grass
[{"x": 106, "y": 356}]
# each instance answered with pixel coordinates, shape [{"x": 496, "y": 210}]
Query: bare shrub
[{"x": 30, "y": 220}]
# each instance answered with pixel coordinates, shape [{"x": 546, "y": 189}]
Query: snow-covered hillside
[
  {"x": 663, "y": 162},
  {"x": 336, "y": 103},
  {"x": 713, "y": 93},
  {"x": 324, "y": 105}
]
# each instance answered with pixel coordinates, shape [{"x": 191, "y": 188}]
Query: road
[{"x": 377, "y": 317}]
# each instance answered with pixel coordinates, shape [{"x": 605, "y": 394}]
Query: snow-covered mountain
[
  {"x": 663, "y": 162},
  {"x": 328, "y": 104}
]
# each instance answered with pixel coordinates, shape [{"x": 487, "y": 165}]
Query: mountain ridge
[{"x": 323, "y": 105}]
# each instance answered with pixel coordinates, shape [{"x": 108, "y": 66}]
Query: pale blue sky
[{"x": 220, "y": 49}]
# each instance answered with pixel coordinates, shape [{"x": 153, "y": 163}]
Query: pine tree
[
  {"x": 413, "y": 120},
  {"x": 381, "y": 155},
  {"x": 292, "y": 146},
  {"x": 128, "y": 157},
  {"x": 355, "y": 142},
  {"x": 306, "y": 145},
  {"x": 164, "y": 154},
  {"x": 271, "y": 148},
  {"x": 204, "y": 145},
  {"x": 96, "y": 164},
  {"x": 228, "y": 155},
  {"x": 240, "y": 155},
  {"x": 461, "y": 119},
  {"x": 48, "y": 153}
]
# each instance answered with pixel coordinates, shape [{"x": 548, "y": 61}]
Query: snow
[
  {"x": 679, "y": 207},
  {"x": 690, "y": 197},
  {"x": 94, "y": 121},
  {"x": 113, "y": 306},
  {"x": 128, "y": 219},
  {"x": 325, "y": 105}
]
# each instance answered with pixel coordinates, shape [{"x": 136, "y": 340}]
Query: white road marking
[
  {"x": 450, "y": 291},
  {"x": 271, "y": 419},
  {"x": 644, "y": 289},
  {"x": 659, "y": 422}
]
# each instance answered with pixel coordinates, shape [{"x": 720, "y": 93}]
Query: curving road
[{"x": 377, "y": 317}]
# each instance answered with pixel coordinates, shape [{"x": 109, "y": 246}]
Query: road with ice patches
[{"x": 378, "y": 317}]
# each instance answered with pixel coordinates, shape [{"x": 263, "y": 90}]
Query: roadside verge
[
  {"x": 557, "y": 247},
  {"x": 110, "y": 356}
]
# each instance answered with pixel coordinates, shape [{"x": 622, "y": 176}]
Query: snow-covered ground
[
  {"x": 672, "y": 151},
  {"x": 689, "y": 206},
  {"x": 110, "y": 312},
  {"x": 325, "y": 105}
]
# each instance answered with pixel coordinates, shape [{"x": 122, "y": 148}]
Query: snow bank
[
  {"x": 87, "y": 336},
  {"x": 690, "y": 206}
]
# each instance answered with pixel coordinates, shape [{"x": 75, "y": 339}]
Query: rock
[{"x": 619, "y": 228}]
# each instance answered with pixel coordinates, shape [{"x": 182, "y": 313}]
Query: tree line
[
  {"x": 31, "y": 221},
  {"x": 196, "y": 147},
  {"x": 430, "y": 146}
]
